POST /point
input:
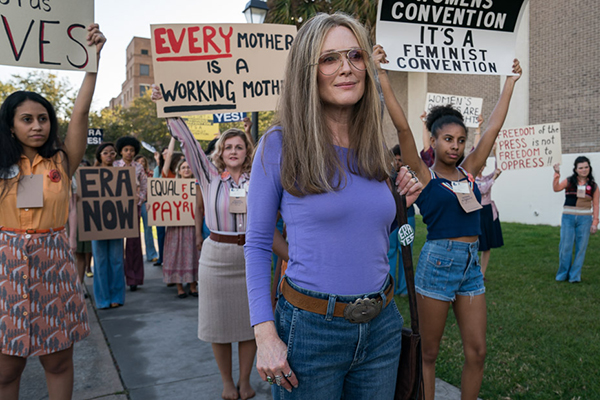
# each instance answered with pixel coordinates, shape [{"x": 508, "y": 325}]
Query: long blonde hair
[
  {"x": 310, "y": 164},
  {"x": 217, "y": 154}
]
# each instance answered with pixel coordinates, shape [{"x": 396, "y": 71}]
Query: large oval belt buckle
[{"x": 362, "y": 310}]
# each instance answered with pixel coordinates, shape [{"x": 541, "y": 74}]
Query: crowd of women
[{"x": 324, "y": 168}]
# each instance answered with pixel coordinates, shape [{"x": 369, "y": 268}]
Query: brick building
[{"x": 139, "y": 72}]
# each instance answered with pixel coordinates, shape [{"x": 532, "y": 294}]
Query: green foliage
[
  {"x": 542, "y": 335},
  {"x": 295, "y": 12},
  {"x": 265, "y": 120}
]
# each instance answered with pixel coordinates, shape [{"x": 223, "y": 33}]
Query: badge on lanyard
[
  {"x": 466, "y": 197},
  {"x": 581, "y": 191},
  {"x": 30, "y": 192},
  {"x": 237, "y": 201}
]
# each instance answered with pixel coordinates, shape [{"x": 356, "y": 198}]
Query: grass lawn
[{"x": 543, "y": 336}]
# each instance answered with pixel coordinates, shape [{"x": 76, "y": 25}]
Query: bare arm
[
  {"x": 426, "y": 134},
  {"x": 280, "y": 246},
  {"x": 76, "y": 139},
  {"x": 556, "y": 185},
  {"x": 595, "y": 201},
  {"x": 477, "y": 137},
  {"x": 169, "y": 157},
  {"x": 474, "y": 161},
  {"x": 410, "y": 154}
]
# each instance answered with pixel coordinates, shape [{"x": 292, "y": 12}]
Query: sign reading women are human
[
  {"x": 208, "y": 68},
  {"x": 449, "y": 36},
  {"x": 48, "y": 34},
  {"x": 469, "y": 107}
]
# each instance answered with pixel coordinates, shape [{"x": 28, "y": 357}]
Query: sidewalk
[{"x": 158, "y": 355}]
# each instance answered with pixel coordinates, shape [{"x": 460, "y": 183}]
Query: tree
[{"x": 296, "y": 12}]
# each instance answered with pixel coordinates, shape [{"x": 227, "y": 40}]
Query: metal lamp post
[{"x": 255, "y": 12}]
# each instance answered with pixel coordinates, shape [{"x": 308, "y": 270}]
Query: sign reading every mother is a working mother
[
  {"x": 202, "y": 69},
  {"x": 449, "y": 36}
]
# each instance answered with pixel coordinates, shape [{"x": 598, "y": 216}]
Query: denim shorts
[
  {"x": 334, "y": 358},
  {"x": 448, "y": 268}
]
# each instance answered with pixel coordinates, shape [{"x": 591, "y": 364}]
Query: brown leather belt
[
  {"x": 360, "y": 311},
  {"x": 31, "y": 231},
  {"x": 240, "y": 240}
]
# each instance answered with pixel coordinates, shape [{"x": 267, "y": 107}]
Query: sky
[{"x": 121, "y": 20}]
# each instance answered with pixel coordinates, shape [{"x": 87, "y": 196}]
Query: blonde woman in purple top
[{"x": 325, "y": 167}]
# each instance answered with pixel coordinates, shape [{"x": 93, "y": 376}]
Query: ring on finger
[
  {"x": 278, "y": 380},
  {"x": 270, "y": 380},
  {"x": 289, "y": 374}
]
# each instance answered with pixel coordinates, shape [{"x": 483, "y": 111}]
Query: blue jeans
[
  {"x": 574, "y": 229},
  {"x": 448, "y": 268},
  {"x": 336, "y": 359},
  {"x": 395, "y": 259},
  {"x": 109, "y": 276},
  {"x": 151, "y": 253},
  {"x": 161, "y": 231}
]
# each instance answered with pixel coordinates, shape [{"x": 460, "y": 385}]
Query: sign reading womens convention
[
  {"x": 469, "y": 107},
  {"x": 171, "y": 202},
  {"x": 48, "y": 34},
  {"x": 203, "y": 69},
  {"x": 449, "y": 36},
  {"x": 534, "y": 146},
  {"x": 107, "y": 203}
]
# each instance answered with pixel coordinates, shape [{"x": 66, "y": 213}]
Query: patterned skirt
[
  {"x": 42, "y": 308},
  {"x": 180, "y": 259}
]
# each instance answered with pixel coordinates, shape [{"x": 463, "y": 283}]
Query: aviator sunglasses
[{"x": 330, "y": 62}]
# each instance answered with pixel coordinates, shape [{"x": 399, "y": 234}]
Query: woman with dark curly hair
[
  {"x": 127, "y": 148},
  {"x": 579, "y": 219},
  {"x": 42, "y": 309}
]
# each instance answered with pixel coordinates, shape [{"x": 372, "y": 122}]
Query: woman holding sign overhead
[
  {"x": 42, "y": 309},
  {"x": 448, "y": 271}
]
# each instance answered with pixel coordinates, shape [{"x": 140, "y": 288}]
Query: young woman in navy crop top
[{"x": 448, "y": 271}]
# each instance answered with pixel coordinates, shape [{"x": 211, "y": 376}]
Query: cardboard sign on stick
[
  {"x": 469, "y": 107},
  {"x": 460, "y": 37},
  {"x": 171, "y": 202},
  {"x": 533, "y": 146},
  {"x": 206, "y": 69},
  {"x": 47, "y": 34},
  {"x": 107, "y": 203}
]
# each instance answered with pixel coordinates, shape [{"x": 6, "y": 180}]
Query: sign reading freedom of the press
[
  {"x": 533, "y": 146},
  {"x": 47, "y": 34},
  {"x": 469, "y": 107},
  {"x": 107, "y": 203},
  {"x": 203, "y": 69},
  {"x": 449, "y": 36},
  {"x": 171, "y": 202}
]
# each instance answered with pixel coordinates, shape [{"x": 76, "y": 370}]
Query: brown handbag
[{"x": 409, "y": 383}]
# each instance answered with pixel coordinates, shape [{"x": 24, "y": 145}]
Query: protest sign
[
  {"x": 107, "y": 203},
  {"x": 171, "y": 202},
  {"x": 47, "y": 34},
  {"x": 95, "y": 136},
  {"x": 229, "y": 117},
  {"x": 202, "y": 127},
  {"x": 202, "y": 69},
  {"x": 533, "y": 146},
  {"x": 469, "y": 107},
  {"x": 452, "y": 36}
]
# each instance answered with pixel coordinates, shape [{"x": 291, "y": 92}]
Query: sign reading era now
[
  {"x": 452, "y": 36},
  {"x": 469, "y": 107},
  {"x": 203, "y": 69},
  {"x": 533, "y": 146},
  {"x": 171, "y": 202},
  {"x": 107, "y": 203},
  {"x": 47, "y": 34}
]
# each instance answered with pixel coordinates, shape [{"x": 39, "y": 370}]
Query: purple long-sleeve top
[{"x": 338, "y": 241}]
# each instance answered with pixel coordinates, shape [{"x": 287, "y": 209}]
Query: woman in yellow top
[{"x": 42, "y": 310}]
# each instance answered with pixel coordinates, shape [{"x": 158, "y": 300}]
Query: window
[
  {"x": 143, "y": 89},
  {"x": 144, "y": 52},
  {"x": 144, "y": 70}
]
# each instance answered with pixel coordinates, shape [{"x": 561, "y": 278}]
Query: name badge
[
  {"x": 460, "y": 187},
  {"x": 237, "y": 201},
  {"x": 581, "y": 191},
  {"x": 30, "y": 192}
]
